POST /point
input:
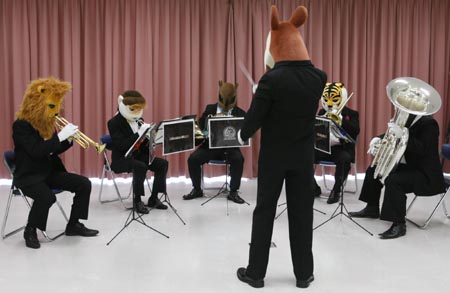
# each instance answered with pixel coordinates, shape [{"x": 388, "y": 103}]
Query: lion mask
[{"x": 42, "y": 102}]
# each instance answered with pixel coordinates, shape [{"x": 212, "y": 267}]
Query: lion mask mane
[{"x": 41, "y": 103}]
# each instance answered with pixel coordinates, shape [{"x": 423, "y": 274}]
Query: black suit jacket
[
  {"x": 211, "y": 109},
  {"x": 36, "y": 158},
  {"x": 350, "y": 123},
  {"x": 123, "y": 138},
  {"x": 422, "y": 153},
  {"x": 285, "y": 113}
]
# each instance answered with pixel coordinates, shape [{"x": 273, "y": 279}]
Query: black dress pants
[
  {"x": 139, "y": 168},
  {"x": 399, "y": 182},
  {"x": 342, "y": 158},
  {"x": 300, "y": 200},
  {"x": 43, "y": 197},
  {"x": 203, "y": 155}
]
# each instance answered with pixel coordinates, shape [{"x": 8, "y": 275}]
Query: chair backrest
[
  {"x": 446, "y": 151},
  {"x": 107, "y": 140},
  {"x": 9, "y": 159}
]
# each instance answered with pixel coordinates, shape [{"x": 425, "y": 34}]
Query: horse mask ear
[{"x": 286, "y": 43}]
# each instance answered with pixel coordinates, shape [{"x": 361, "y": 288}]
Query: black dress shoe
[
  {"x": 333, "y": 197},
  {"x": 140, "y": 208},
  {"x": 234, "y": 196},
  {"x": 242, "y": 275},
  {"x": 31, "y": 239},
  {"x": 396, "y": 230},
  {"x": 305, "y": 283},
  {"x": 79, "y": 229},
  {"x": 372, "y": 212},
  {"x": 156, "y": 204},
  {"x": 193, "y": 194}
]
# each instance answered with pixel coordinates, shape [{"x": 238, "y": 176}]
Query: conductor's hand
[
  {"x": 68, "y": 131},
  {"x": 143, "y": 128},
  {"x": 374, "y": 146},
  {"x": 239, "y": 137}
]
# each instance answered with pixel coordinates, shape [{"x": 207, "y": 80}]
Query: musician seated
[
  {"x": 39, "y": 169},
  {"x": 419, "y": 171},
  {"x": 125, "y": 128},
  {"x": 226, "y": 106},
  {"x": 334, "y": 98}
]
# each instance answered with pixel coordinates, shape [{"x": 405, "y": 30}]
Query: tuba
[
  {"x": 82, "y": 139},
  {"x": 410, "y": 96}
]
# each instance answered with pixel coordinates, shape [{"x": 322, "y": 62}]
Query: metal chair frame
[
  {"x": 108, "y": 172},
  {"x": 442, "y": 196},
  {"x": 225, "y": 186},
  {"x": 325, "y": 164},
  {"x": 8, "y": 157}
]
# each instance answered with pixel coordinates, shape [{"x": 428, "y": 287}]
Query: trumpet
[{"x": 82, "y": 139}]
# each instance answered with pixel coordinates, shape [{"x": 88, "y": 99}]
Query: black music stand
[
  {"x": 134, "y": 216},
  {"x": 165, "y": 199},
  {"x": 341, "y": 134},
  {"x": 285, "y": 209}
]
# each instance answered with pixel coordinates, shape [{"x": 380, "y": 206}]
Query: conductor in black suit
[
  {"x": 225, "y": 107},
  {"x": 419, "y": 171},
  {"x": 39, "y": 170},
  {"x": 334, "y": 99},
  {"x": 125, "y": 128},
  {"x": 284, "y": 106}
]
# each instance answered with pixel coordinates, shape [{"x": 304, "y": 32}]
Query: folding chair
[
  {"x": 225, "y": 186},
  {"x": 326, "y": 164},
  {"x": 108, "y": 172},
  {"x": 9, "y": 158},
  {"x": 446, "y": 155}
]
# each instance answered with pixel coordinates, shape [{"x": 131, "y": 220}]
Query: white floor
[{"x": 203, "y": 255}]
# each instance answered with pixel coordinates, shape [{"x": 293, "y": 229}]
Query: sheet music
[{"x": 139, "y": 139}]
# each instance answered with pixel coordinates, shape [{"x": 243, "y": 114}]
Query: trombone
[
  {"x": 82, "y": 139},
  {"x": 335, "y": 116}
]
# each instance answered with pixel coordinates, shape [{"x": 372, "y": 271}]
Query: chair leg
[
  {"x": 346, "y": 190},
  {"x": 445, "y": 210},
  {"x": 427, "y": 221},
  {"x": 105, "y": 172},
  {"x": 5, "y": 218}
]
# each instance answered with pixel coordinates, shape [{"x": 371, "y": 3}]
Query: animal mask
[
  {"x": 334, "y": 95},
  {"x": 131, "y": 105},
  {"x": 42, "y": 102},
  {"x": 227, "y": 95},
  {"x": 284, "y": 42}
]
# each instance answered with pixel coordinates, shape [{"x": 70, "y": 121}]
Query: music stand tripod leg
[
  {"x": 166, "y": 199},
  {"x": 132, "y": 217},
  {"x": 342, "y": 207}
]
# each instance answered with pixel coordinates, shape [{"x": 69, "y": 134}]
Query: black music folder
[
  {"x": 324, "y": 127},
  {"x": 178, "y": 136},
  {"x": 138, "y": 141},
  {"x": 222, "y": 132}
]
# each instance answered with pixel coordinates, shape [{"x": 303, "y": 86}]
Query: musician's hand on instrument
[
  {"x": 334, "y": 140},
  {"x": 239, "y": 137},
  {"x": 68, "y": 131},
  {"x": 395, "y": 129},
  {"x": 143, "y": 128},
  {"x": 374, "y": 145}
]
